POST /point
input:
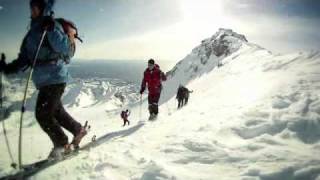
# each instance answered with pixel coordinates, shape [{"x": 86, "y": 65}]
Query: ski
[
  {"x": 34, "y": 168},
  {"x": 31, "y": 169}
]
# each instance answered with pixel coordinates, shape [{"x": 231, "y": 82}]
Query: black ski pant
[
  {"x": 180, "y": 102},
  {"x": 153, "y": 100},
  {"x": 51, "y": 115}
]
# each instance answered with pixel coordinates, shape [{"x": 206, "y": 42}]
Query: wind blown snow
[{"x": 252, "y": 115}]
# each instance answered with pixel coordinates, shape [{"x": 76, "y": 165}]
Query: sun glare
[
  {"x": 200, "y": 19},
  {"x": 202, "y": 10}
]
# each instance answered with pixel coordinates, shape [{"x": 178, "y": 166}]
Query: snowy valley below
[{"x": 253, "y": 115}]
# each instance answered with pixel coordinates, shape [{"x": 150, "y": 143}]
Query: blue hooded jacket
[{"x": 56, "y": 46}]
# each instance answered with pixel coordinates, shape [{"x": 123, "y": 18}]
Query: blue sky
[{"x": 169, "y": 29}]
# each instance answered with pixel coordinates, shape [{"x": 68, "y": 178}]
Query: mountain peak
[
  {"x": 222, "y": 43},
  {"x": 223, "y": 33}
]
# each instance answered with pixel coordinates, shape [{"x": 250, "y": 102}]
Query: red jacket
[{"x": 153, "y": 79}]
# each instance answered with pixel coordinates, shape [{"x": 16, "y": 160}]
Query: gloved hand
[
  {"x": 141, "y": 91},
  {"x": 48, "y": 23},
  {"x": 3, "y": 57},
  {"x": 3, "y": 63}
]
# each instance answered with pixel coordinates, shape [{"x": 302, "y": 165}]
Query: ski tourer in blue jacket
[
  {"x": 50, "y": 74},
  {"x": 56, "y": 51}
]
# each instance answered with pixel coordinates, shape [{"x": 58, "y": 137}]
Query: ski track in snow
[{"x": 255, "y": 117}]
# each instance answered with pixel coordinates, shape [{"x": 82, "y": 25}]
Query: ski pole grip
[{"x": 3, "y": 57}]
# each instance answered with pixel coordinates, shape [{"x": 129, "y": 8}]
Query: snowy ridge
[
  {"x": 211, "y": 50},
  {"x": 79, "y": 93},
  {"x": 256, "y": 117},
  {"x": 90, "y": 92},
  {"x": 223, "y": 43},
  {"x": 110, "y": 94}
]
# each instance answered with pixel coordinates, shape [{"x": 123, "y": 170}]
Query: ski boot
[
  {"x": 57, "y": 153},
  {"x": 77, "y": 138},
  {"x": 152, "y": 116}
]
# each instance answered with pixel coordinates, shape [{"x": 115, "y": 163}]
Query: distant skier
[
  {"x": 183, "y": 94},
  {"x": 152, "y": 78},
  {"x": 50, "y": 74},
  {"x": 180, "y": 96},
  {"x": 94, "y": 138},
  {"x": 124, "y": 115}
]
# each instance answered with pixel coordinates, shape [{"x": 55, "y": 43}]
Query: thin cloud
[
  {"x": 292, "y": 8},
  {"x": 1, "y": 8},
  {"x": 243, "y": 5}
]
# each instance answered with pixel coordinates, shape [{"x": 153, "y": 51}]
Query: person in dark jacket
[
  {"x": 50, "y": 74},
  {"x": 183, "y": 94},
  {"x": 152, "y": 78},
  {"x": 124, "y": 115},
  {"x": 180, "y": 96}
]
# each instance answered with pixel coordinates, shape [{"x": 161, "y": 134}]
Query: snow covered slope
[
  {"x": 255, "y": 117},
  {"x": 204, "y": 58}
]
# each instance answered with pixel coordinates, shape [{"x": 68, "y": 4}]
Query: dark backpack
[
  {"x": 123, "y": 114},
  {"x": 66, "y": 24}
]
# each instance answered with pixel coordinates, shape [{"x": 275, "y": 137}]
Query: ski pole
[
  {"x": 140, "y": 110},
  {"x": 169, "y": 113},
  {"x": 13, "y": 164},
  {"x": 23, "y": 108},
  {"x": 175, "y": 104}
]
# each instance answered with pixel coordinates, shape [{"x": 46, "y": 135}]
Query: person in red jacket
[{"x": 152, "y": 78}]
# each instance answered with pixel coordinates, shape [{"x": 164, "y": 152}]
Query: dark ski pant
[
  {"x": 51, "y": 115},
  {"x": 153, "y": 100},
  {"x": 186, "y": 100},
  {"x": 125, "y": 121},
  {"x": 183, "y": 100}
]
